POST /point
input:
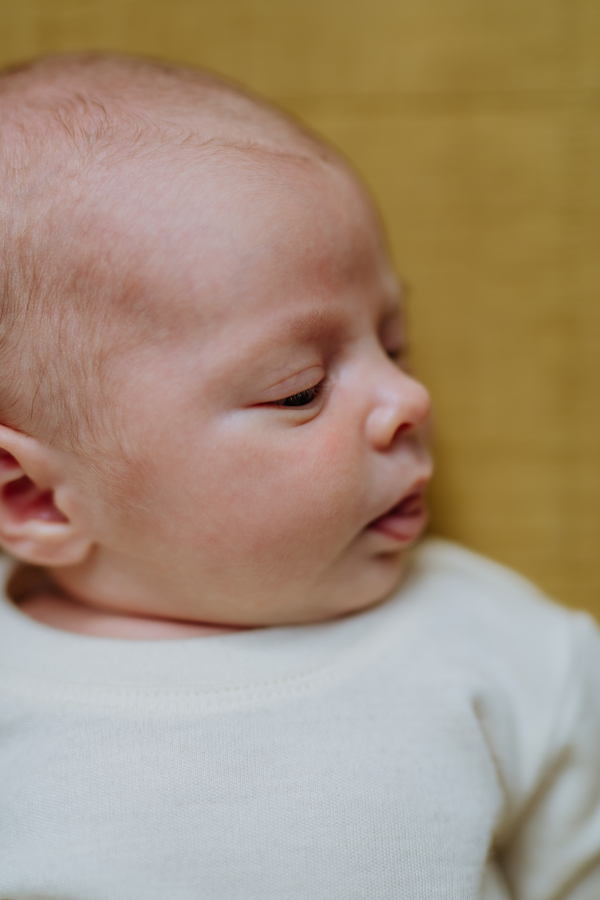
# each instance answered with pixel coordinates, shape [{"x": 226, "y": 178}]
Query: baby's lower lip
[{"x": 405, "y": 522}]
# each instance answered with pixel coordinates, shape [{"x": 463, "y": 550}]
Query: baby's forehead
[
  {"x": 250, "y": 223},
  {"x": 226, "y": 209},
  {"x": 269, "y": 248}
]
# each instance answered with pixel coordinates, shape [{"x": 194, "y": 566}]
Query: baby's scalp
[{"x": 82, "y": 140}]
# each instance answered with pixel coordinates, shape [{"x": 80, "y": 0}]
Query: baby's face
[{"x": 272, "y": 428}]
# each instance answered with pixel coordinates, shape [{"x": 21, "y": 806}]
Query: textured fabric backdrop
[{"x": 476, "y": 123}]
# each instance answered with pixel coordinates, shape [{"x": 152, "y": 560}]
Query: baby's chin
[
  {"x": 369, "y": 579},
  {"x": 368, "y": 586},
  {"x": 385, "y": 575}
]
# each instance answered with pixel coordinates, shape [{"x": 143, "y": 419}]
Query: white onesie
[{"x": 442, "y": 746}]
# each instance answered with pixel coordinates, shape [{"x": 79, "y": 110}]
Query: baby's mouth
[{"x": 405, "y": 521}]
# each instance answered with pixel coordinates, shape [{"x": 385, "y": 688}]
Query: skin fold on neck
[{"x": 33, "y": 591}]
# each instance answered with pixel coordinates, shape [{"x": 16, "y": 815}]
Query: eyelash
[{"x": 305, "y": 397}]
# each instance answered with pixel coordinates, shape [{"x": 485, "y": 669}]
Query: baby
[{"x": 224, "y": 673}]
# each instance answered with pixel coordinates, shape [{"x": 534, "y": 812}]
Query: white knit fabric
[{"x": 443, "y": 745}]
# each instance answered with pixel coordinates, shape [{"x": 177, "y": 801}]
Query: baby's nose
[{"x": 401, "y": 407}]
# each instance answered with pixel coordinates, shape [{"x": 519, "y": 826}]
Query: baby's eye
[{"x": 302, "y": 398}]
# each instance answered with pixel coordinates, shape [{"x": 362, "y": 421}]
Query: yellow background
[{"x": 475, "y": 122}]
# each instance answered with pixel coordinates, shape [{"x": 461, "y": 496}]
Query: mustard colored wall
[{"x": 476, "y": 123}]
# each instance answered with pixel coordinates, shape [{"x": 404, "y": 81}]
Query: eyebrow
[
  {"x": 311, "y": 324},
  {"x": 316, "y": 324},
  {"x": 324, "y": 322}
]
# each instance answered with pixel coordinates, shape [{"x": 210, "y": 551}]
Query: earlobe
[{"x": 32, "y": 527}]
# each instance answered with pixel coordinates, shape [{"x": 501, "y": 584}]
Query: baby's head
[{"x": 205, "y": 414}]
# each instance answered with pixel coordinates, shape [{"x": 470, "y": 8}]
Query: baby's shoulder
[
  {"x": 467, "y": 588},
  {"x": 481, "y": 613}
]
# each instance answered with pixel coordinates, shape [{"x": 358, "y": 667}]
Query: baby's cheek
[
  {"x": 289, "y": 502},
  {"x": 313, "y": 497}
]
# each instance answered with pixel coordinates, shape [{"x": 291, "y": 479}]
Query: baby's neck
[{"x": 37, "y": 596}]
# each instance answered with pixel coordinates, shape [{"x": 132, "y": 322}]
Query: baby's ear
[{"x": 35, "y": 525}]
